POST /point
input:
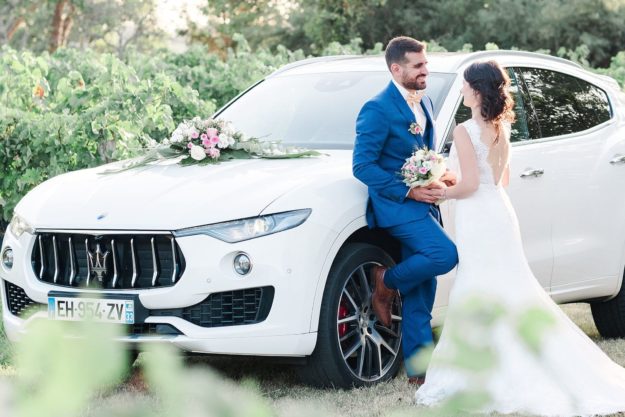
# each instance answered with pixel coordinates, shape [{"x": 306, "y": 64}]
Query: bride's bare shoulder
[{"x": 461, "y": 133}]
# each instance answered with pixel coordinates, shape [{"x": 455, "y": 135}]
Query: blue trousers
[{"x": 426, "y": 252}]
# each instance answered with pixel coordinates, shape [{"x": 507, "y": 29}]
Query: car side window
[
  {"x": 521, "y": 130},
  {"x": 563, "y": 103}
]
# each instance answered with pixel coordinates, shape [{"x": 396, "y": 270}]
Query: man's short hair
[{"x": 398, "y": 47}]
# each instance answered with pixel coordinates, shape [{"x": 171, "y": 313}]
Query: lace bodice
[{"x": 481, "y": 152}]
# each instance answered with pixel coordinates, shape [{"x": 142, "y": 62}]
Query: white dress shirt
[{"x": 417, "y": 110}]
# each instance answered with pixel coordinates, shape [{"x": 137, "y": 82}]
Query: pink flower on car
[{"x": 213, "y": 152}]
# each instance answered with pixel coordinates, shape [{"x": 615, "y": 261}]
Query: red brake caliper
[{"x": 343, "y": 311}]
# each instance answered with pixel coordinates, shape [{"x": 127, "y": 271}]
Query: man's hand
[
  {"x": 449, "y": 178},
  {"x": 430, "y": 194}
]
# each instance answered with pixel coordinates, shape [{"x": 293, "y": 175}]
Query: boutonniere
[{"x": 415, "y": 128}]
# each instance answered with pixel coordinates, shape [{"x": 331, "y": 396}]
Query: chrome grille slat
[
  {"x": 115, "y": 273},
  {"x": 72, "y": 262},
  {"x": 42, "y": 270},
  {"x": 56, "y": 259},
  {"x": 134, "y": 263},
  {"x": 154, "y": 263},
  {"x": 174, "y": 270},
  {"x": 107, "y": 261},
  {"x": 88, "y": 261}
]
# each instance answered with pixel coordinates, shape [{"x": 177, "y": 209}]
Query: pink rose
[
  {"x": 195, "y": 134},
  {"x": 206, "y": 142},
  {"x": 211, "y": 131},
  {"x": 214, "y": 140},
  {"x": 189, "y": 145},
  {"x": 423, "y": 170},
  {"x": 213, "y": 153}
]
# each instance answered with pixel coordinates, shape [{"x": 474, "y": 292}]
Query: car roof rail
[
  {"x": 307, "y": 61},
  {"x": 498, "y": 52}
]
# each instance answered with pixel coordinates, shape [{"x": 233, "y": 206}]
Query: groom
[{"x": 385, "y": 137}]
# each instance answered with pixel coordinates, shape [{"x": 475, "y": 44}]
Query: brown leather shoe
[
  {"x": 382, "y": 297},
  {"x": 416, "y": 380}
]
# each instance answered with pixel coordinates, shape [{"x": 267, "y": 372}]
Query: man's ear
[{"x": 395, "y": 68}]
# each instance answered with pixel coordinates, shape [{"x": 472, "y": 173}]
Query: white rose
[
  {"x": 224, "y": 141},
  {"x": 438, "y": 170},
  {"x": 197, "y": 153}
]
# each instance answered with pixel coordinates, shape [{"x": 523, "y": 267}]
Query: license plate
[{"x": 96, "y": 309}]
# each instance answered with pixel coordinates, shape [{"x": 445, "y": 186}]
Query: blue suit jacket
[{"x": 383, "y": 142}]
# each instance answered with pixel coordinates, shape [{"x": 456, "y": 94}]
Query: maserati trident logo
[{"x": 97, "y": 262}]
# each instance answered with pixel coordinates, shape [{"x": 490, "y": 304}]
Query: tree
[
  {"x": 115, "y": 25},
  {"x": 526, "y": 24},
  {"x": 108, "y": 25},
  {"x": 62, "y": 21},
  {"x": 261, "y": 22}
]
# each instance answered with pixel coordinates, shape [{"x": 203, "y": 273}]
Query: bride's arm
[
  {"x": 505, "y": 179},
  {"x": 470, "y": 178}
]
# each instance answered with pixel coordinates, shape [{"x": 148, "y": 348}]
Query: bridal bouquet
[
  {"x": 422, "y": 168},
  {"x": 210, "y": 141}
]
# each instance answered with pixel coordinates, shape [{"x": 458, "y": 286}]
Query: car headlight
[
  {"x": 250, "y": 228},
  {"x": 18, "y": 226}
]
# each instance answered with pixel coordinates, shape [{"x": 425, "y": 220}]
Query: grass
[{"x": 279, "y": 386}]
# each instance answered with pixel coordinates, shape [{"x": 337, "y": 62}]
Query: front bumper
[{"x": 290, "y": 263}]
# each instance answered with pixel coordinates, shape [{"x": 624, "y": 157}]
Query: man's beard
[{"x": 413, "y": 84}]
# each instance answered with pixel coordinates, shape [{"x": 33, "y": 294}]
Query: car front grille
[
  {"x": 119, "y": 261},
  {"x": 20, "y": 304}
]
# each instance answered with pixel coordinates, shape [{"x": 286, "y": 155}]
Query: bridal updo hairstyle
[{"x": 492, "y": 83}]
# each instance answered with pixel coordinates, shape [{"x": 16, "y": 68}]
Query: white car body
[{"x": 572, "y": 220}]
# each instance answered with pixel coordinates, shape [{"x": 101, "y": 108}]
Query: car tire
[
  {"x": 353, "y": 349},
  {"x": 609, "y": 316}
]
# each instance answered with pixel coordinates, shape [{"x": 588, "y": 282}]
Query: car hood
[{"x": 167, "y": 196}]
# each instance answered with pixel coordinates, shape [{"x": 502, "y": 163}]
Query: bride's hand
[
  {"x": 449, "y": 178},
  {"x": 437, "y": 185}
]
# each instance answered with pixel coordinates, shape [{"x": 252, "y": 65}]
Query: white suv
[{"x": 272, "y": 257}]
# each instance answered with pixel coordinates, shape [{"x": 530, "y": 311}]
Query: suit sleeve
[{"x": 371, "y": 133}]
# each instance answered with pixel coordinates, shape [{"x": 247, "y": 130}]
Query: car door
[
  {"x": 582, "y": 143},
  {"x": 528, "y": 190}
]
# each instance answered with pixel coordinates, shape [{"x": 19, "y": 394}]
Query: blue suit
[{"x": 383, "y": 142}]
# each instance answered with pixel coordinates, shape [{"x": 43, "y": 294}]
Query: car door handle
[
  {"x": 532, "y": 173},
  {"x": 618, "y": 159}
]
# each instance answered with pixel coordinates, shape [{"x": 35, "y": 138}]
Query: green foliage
[
  {"x": 76, "y": 109},
  {"x": 108, "y": 26},
  {"x": 616, "y": 69},
  {"x": 216, "y": 79},
  {"x": 80, "y": 367},
  {"x": 526, "y": 24}
]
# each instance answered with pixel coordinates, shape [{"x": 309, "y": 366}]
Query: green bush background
[{"x": 77, "y": 108}]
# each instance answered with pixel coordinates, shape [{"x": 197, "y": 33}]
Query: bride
[{"x": 505, "y": 343}]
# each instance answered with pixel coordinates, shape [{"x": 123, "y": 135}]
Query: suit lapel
[
  {"x": 431, "y": 134},
  {"x": 403, "y": 108}
]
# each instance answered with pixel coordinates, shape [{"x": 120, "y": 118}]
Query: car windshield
[{"x": 315, "y": 110}]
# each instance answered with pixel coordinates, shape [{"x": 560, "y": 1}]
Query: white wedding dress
[{"x": 491, "y": 306}]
